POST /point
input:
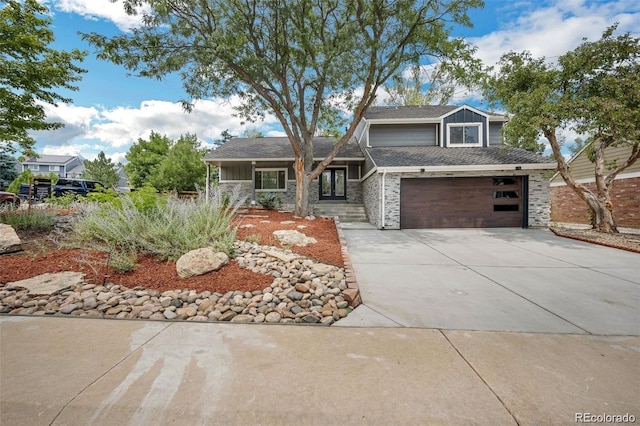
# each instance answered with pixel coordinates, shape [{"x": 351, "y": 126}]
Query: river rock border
[{"x": 302, "y": 292}]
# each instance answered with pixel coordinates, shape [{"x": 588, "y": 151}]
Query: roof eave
[{"x": 467, "y": 168}]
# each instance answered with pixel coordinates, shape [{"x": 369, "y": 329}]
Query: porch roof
[{"x": 277, "y": 148}]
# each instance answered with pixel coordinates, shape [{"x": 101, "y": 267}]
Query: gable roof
[
  {"x": 419, "y": 112},
  {"x": 261, "y": 149},
  {"x": 435, "y": 156},
  {"x": 50, "y": 159}
]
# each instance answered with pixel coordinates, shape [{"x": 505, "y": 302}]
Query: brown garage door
[{"x": 478, "y": 202}]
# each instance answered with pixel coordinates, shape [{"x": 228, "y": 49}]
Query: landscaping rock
[
  {"x": 200, "y": 261},
  {"x": 293, "y": 238},
  {"x": 9, "y": 240},
  {"x": 47, "y": 284}
]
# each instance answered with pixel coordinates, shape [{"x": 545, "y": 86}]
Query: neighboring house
[
  {"x": 123, "y": 182},
  {"x": 411, "y": 167},
  {"x": 568, "y": 208},
  {"x": 62, "y": 165}
]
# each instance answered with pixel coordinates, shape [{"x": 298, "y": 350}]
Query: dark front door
[{"x": 333, "y": 184}]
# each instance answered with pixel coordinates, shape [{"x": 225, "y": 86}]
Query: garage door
[{"x": 478, "y": 202}]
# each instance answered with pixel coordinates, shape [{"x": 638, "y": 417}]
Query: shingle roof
[
  {"x": 428, "y": 156},
  {"x": 50, "y": 159},
  {"x": 276, "y": 148},
  {"x": 399, "y": 112}
]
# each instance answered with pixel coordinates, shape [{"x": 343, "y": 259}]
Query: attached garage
[{"x": 463, "y": 202}]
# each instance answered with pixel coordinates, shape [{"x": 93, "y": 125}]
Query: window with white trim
[
  {"x": 271, "y": 180},
  {"x": 465, "y": 134},
  {"x": 54, "y": 168},
  {"x": 34, "y": 167}
]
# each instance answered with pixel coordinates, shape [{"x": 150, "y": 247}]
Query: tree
[
  {"x": 594, "y": 89},
  {"x": 182, "y": 169},
  {"x": 433, "y": 84},
  {"x": 144, "y": 157},
  {"x": 8, "y": 171},
  {"x": 305, "y": 61},
  {"x": 103, "y": 170},
  {"x": 225, "y": 137},
  {"x": 30, "y": 70}
]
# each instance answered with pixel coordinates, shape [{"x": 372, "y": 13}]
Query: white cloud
[
  {"x": 554, "y": 30},
  {"x": 95, "y": 129},
  {"x": 100, "y": 9}
]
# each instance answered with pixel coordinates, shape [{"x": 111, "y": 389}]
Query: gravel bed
[{"x": 302, "y": 291}]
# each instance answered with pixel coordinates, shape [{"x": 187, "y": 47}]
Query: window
[
  {"x": 34, "y": 167},
  {"x": 54, "y": 168},
  {"x": 465, "y": 134},
  {"x": 271, "y": 179}
]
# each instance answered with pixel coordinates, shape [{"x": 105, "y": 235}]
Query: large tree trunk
[
  {"x": 599, "y": 205},
  {"x": 303, "y": 183}
]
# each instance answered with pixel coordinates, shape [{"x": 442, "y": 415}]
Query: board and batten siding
[
  {"x": 402, "y": 135},
  {"x": 466, "y": 116},
  {"x": 495, "y": 134},
  {"x": 236, "y": 172}
]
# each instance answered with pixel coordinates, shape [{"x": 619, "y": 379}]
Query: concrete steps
[{"x": 345, "y": 212}]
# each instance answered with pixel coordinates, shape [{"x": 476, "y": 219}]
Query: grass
[
  {"x": 33, "y": 220},
  {"x": 167, "y": 229}
]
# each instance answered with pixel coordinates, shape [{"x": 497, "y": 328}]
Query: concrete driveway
[{"x": 493, "y": 279}]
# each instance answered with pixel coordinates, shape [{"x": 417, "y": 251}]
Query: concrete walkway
[
  {"x": 458, "y": 327},
  {"x": 493, "y": 280},
  {"x": 76, "y": 371}
]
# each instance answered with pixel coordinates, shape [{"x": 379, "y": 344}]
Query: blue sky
[{"x": 112, "y": 110}]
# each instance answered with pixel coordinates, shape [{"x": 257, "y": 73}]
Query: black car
[{"x": 75, "y": 186}]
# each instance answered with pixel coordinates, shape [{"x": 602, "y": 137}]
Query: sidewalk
[{"x": 77, "y": 371}]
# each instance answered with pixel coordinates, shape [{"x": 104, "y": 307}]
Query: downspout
[
  {"x": 206, "y": 192},
  {"x": 382, "y": 197},
  {"x": 253, "y": 183}
]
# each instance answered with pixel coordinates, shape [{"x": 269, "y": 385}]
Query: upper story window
[
  {"x": 271, "y": 179},
  {"x": 54, "y": 168},
  {"x": 467, "y": 134},
  {"x": 34, "y": 167}
]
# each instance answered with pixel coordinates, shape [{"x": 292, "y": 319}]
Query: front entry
[{"x": 333, "y": 184}]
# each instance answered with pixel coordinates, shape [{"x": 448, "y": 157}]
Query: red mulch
[{"x": 42, "y": 256}]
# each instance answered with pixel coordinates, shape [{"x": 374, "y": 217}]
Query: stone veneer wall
[
  {"x": 567, "y": 207},
  {"x": 538, "y": 194},
  {"x": 371, "y": 196}
]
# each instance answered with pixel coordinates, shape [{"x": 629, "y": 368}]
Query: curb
[
  {"x": 586, "y": 240},
  {"x": 353, "y": 291}
]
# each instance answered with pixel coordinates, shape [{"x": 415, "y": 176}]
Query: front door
[{"x": 333, "y": 184}]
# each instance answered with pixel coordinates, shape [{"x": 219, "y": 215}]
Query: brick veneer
[{"x": 567, "y": 207}]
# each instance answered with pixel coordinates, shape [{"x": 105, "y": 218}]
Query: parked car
[
  {"x": 9, "y": 199},
  {"x": 75, "y": 186}
]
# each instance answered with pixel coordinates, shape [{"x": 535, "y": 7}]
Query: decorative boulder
[
  {"x": 200, "y": 261},
  {"x": 293, "y": 238},
  {"x": 9, "y": 240}
]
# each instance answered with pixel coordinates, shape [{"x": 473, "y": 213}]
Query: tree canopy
[
  {"x": 594, "y": 89},
  {"x": 30, "y": 72},
  {"x": 103, "y": 170},
  {"x": 166, "y": 164},
  {"x": 314, "y": 64}
]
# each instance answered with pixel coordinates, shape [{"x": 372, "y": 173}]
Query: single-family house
[
  {"x": 568, "y": 208},
  {"x": 411, "y": 167},
  {"x": 62, "y": 165}
]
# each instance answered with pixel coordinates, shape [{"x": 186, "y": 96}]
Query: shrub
[
  {"x": 168, "y": 229},
  {"x": 34, "y": 220},
  {"x": 62, "y": 201},
  {"x": 253, "y": 239},
  {"x": 269, "y": 200}
]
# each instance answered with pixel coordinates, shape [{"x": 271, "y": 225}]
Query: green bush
[
  {"x": 62, "y": 201},
  {"x": 269, "y": 200},
  {"x": 28, "y": 220},
  {"x": 168, "y": 229}
]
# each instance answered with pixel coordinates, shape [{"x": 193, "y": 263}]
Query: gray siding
[
  {"x": 495, "y": 134},
  {"x": 236, "y": 172},
  {"x": 402, "y": 134}
]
